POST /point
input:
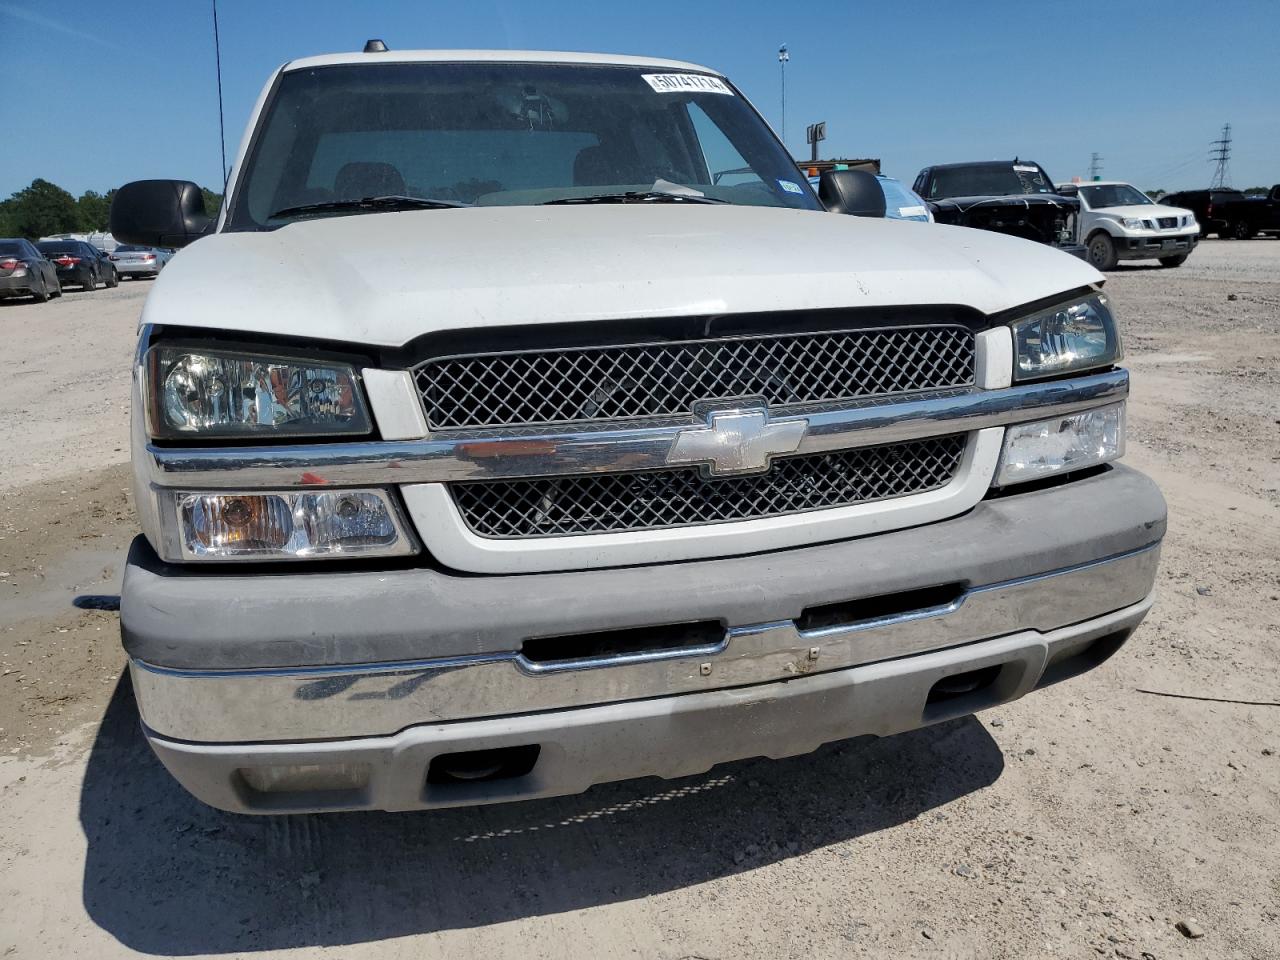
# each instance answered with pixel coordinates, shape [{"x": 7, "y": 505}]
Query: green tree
[
  {"x": 93, "y": 210},
  {"x": 41, "y": 209},
  {"x": 1156, "y": 194},
  {"x": 212, "y": 201}
]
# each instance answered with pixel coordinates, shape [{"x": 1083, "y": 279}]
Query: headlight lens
[
  {"x": 1046, "y": 447},
  {"x": 289, "y": 525},
  {"x": 1065, "y": 339},
  {"x": 198, "y": 392},
  {"x": 1129, "y": 223}
]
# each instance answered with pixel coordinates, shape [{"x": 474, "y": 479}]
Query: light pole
[{"x": 783, "y": 57}]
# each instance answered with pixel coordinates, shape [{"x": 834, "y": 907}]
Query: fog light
[
  {"x": 290, "y": 525},
  {"x": 1046, "y": 447},
  {"x": 306, "y": 777}
]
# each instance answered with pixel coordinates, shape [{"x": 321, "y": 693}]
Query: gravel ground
[{"x": 1087, "y": 820}]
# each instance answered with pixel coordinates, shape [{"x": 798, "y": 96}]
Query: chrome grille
[
  {"x": 614, "y": 502},
  {"x": 667, "y": 378}
]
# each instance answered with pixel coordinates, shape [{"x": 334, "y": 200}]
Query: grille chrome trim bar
[{"x": 509, "y": 454}]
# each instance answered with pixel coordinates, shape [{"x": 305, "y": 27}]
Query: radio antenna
[{"x": 222, "y": 130}]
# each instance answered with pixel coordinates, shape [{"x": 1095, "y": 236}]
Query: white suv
[{"x": 1120, "y": 222}]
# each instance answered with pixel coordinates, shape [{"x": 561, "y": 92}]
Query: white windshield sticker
[
  {"x": 686, "y": 83},
  {"x": 1025, "y": 169},
  {"x": 916, "y": 211},
  {"x": 790, "y": 186}
]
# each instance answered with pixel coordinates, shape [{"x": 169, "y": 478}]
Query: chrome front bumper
[
  {"x": 322, "y": 702},
  {"x": 567, "y": 751}
]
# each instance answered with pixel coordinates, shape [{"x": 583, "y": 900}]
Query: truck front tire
[
  {"x": 1102, "y": 251},
  {"x": 1177, "y": 261}
]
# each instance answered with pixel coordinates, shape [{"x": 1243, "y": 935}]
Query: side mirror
[
  {"x": 854, "y": 192},
  {"x": 1068, "y": 190},
  {"x": 159, "y": 213}
]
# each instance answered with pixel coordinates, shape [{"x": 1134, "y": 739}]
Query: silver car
[{"x": 132, "y": 260}]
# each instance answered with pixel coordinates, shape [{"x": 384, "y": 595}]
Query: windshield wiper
[
  {"x": 637, "y": 196},
  {"x": 375, "y": 204}
]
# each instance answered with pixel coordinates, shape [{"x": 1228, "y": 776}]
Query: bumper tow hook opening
[
  {"x": 962, "y": 684},
  {"x": 475, "y": 766}
]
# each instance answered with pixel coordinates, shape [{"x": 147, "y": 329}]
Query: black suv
[{"x": 79, "y": 263}]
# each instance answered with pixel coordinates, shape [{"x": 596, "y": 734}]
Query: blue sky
[{"x": 131, "y": 94}]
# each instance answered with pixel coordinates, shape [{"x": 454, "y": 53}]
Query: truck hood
[
  {"x": 1141, "y": 211},
  {"x": 384, "y": 279}
]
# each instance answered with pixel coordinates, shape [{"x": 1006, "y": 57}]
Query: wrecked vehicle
[
  {"x": 530, "y": 450},
  {"x": 1015, "y": 197}
]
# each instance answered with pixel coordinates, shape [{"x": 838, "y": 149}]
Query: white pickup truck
[
  {"x": 1120, "y": 222},
  {"x": 525, "y": 421}
]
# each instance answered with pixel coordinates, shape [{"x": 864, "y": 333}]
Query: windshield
[
  {"x": 132, "y": 248},
  {"x": 11, "y": 248},
  {"x": 1113, "y": 195},
  {"x": 58, "y": 246},
  {"x": 900, "y": 202},
  {"x": 988, "y": 180},
  {"x": 506, "y": 133}
]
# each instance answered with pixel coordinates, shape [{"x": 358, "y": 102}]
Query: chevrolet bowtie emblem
[{"x": 736, "y": 441}]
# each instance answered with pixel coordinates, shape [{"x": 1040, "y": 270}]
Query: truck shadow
[{"x": 169, "y": 876}]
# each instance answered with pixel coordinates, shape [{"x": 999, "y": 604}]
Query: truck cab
[{"x": 525, "y": 421}]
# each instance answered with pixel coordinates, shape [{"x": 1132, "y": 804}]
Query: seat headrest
[{"x": 367, "y": 179}]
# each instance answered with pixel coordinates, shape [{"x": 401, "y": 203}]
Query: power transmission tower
[
  {"x": 1221, "y": 154},
  {"x": 1095, "y": 166}
]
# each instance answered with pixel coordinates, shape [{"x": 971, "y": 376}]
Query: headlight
[
  {"x": 334, "y": 524},
  {"x": 1046, "y": 447},
  {"x": 1131, "y": 224},
  {"x": 197, "y": 392},
  {"x": 1065, "y": 339}
]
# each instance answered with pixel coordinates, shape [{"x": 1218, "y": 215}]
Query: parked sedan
[
  {"x": 78, "y": 263},
  {"x": 24, "y": 272},
  {"x": 137, "y": 262}
]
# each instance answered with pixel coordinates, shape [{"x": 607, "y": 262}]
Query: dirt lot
[{"x": 1084, "y": 821}]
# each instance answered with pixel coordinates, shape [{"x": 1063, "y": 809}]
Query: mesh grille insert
[
  {"x": 613, "y": 502},
  {"x": 668, "y": 378}
]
